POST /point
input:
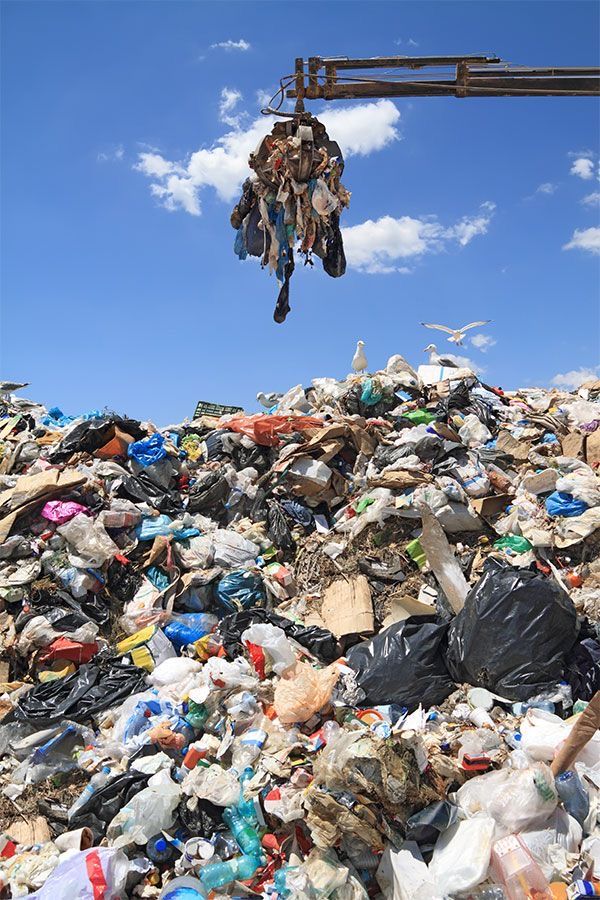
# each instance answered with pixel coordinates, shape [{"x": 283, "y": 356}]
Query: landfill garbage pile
[
  {"x": 344, "y": 648},
  {"x": 295, "y": 196}
]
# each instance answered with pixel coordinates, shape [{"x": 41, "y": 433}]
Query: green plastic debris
[
  {"x": 362, "y": 504},
  {"x": 514, "y": 542},
  {"x": 579, "y": 706},
  {"x": 419, "y": 416},
  {"x": 416, "y": 552}
]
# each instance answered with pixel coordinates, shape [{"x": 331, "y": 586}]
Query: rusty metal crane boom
[{"x": 342, "y": 78}]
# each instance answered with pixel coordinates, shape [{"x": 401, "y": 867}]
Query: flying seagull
[
  {"x": 436, "y": 360},
  {"x": 457, "y": 335},
  {"x": 359, "y": 360}
]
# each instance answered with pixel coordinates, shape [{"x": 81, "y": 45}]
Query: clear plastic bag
[
  {"x": 303, "y": 692},
  {"x": 146, "y": 813},
  {"x": 515, "y": 798},
  {"x": 89, "y": 544},
  {"x": 461, "y": 856},
  {"x": 272, "y": 640}
]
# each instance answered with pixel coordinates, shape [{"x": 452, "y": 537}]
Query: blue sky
[{"x": 114, "y": 112}]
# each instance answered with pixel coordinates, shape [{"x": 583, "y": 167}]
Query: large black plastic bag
[
  {"x": 91, "y": 689},
  {"x": 104, "y": 804},
  {"x": 513, "y": 633},
  {"x": 582, "y": 669},
  {"x": 404, "y": 664}
]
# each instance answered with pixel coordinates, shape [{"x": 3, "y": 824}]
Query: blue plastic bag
[
  {"x": 148, "y": 451},
  {"x": 240, "y": 590},
  {"x": 561, "y": 504},
  {"x": 189, "y": 627},
  {"x": 158, "y": 578},
  {"x": 153, "y": 526},
  {"x": 369, "y": 396}
]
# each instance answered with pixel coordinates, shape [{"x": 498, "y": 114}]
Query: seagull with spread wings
[{"x": 457, "y": 335}]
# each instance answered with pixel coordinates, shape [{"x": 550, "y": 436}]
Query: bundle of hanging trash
[{"x": 295, "y": 196}]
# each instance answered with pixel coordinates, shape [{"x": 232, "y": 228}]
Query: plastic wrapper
[
  {"x": 147, "y": 812},
  {"x": 404, "y": 664},
  {"x": 90, "y": 545},
  {"x": 60, "y": 511},
  {"x": 513, "y": 633},
  {"x": 564, "y": 505}
]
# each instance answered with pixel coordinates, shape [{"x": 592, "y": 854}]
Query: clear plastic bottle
[
  {"x": 573, "y": 794},
  {"x": 218, "y": 874},
  {"x": 248, "y": 745},
  {"x": 159, "y": 850},
  {"x": 242, "y": 831},
  {"x": 97, "y": 781}
]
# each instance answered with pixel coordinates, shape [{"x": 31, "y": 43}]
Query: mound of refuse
[{"x": 345, "y": 647}]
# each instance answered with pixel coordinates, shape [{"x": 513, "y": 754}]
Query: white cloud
[
  {"x": 546, "y": 188},
  {"x": 575, "y": 378},
  {"x": 230, "y": 97},
  {"x": 263, "y": 97},
  {"x": 231, "y": 45},
  {"x": 483, "y": 342},
  {"x": 363, "y": 128},
  {"x": 465, "y": 361},
  {"x": 583, "y": 168},
  {"x": 360, "y": 130},
  {"x": 375, "y": 247},
  {"x": 585, "y": 239},
  {"x": 114, "y": 155},
  {"x": 592, "y": 199}
]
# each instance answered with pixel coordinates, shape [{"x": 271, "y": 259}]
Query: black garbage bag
[
  {"x": 334, "y": 261},
  {"x": 93, "y": 434},
  {"x": 61, "y": 610},
  {"x": 204, "y": 820},
  {"x": 404, "y": 664},
  {"x": 140, "y": 488},
  {"x": 91, "y": 689},
  {"x": 582, "y": 669},
  {"x": 513, "y": 633},
  {"x": 282, "y": 307},
  {"x": 322, "y": 643},
  {"x": 122, "y": 581},
  {"x": 208, "y": 493},
  {"x": 107, "y": 801},
  {"x": 278, "y": 529}
]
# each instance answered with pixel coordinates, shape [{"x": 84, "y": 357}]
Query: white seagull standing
[
  {"x": 359, "y": 360},
  {"x": 457, "y": 335},
  {"x": 436, "y": 360}
]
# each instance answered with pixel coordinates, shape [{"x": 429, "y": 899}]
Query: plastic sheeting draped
[
  {"x": 265, "y": 430},
  {"x": 513, "y": 633}
]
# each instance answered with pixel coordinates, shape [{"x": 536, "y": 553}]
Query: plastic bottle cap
[{"x": 161, "y": 845}]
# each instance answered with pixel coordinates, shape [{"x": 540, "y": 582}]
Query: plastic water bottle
[
  {"x": 246, "y": 808},
  {"x": 242, "y": 831},
  {"x": 159, "y": 850},
  {"x": 97, "y": 781},
  {"x": 573, "y": 795},
  {"x": 240, "y": 868},
  {"x": 248, "y": 745}
]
